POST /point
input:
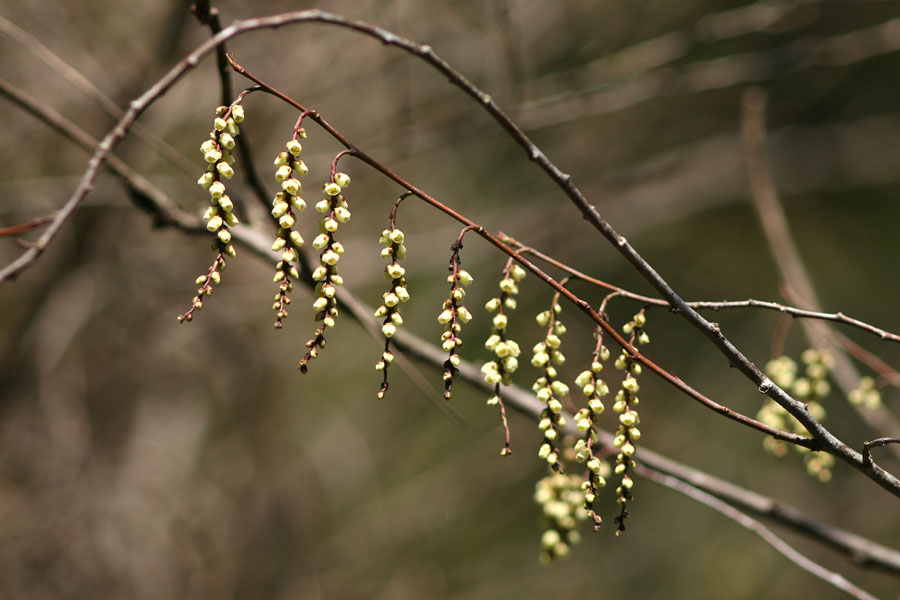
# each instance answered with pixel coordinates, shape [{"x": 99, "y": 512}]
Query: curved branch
[
  {"x": 823, "y": 438},
  {"x": 861, "y": 551}
]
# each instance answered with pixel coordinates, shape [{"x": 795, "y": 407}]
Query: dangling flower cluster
[
  {"x": 506, "y": 350},
  {"x": 627, "y": 433},
  {"x": 548, "y": 387},
  {"x": 562, "y": 504},
  {"x": 334, "y": 211},
  {"x": 866, "y": 394},
  {"x": 219, "y": 216},
  {"x": 394, "y": 250},
  {"x": 288, "y": 241},
  {"x": 811, "y": 389},
  {"x": 593, "y": 389},
  {"x": 454, "y": 315}
]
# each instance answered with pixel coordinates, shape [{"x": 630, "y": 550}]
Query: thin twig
[
  {"x": 705, "y": 305},
  {"x": 768, "y": 536},
  {"x": 867, "y": 447},
  {"x": 87, "y": 87},
  {"x": 24, "y": 227},
  {"x": 673, "y": 380}
]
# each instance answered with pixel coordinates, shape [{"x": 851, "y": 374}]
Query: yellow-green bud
[{"x": 294, "y": 147}]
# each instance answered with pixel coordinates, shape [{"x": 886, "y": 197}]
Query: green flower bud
[
  {"x": 279, "y": 209},
  {"x": 331, "y": 189},
  {"x": 342, "y": 214},
  {"x": 282, "y": 173},
  {"x": 237, "y": 113},
  {"x": 294, "y": 147},
  {"x": 291, "y": 186},
  {"x": 342, "y": 179},
  {"x": 298, "y": 203}
]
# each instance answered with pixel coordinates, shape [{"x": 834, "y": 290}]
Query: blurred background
[{"x": 140, "y": 458}]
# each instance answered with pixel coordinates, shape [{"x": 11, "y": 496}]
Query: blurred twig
[
  {"x": 764, "y": 196},
  {"x": 90, "y": 90},
  {"x": 747, "y": 522}
]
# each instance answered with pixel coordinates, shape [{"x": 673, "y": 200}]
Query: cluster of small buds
[
  {"x": 392, "y": 239},
  {"x": 334, "y": 211},
  {"x": 866, "y": 394},
  {"x": 811, "y": 389},
  {"x": 548, "y": 387},
  {"x": 625, "y": 405},
  {"x": 562, "y": 504},
  {"x": 453, "y": 316},
  {"x": 506, "y": 350},
  {"x": 285, "y": 206},
  {"x": 219, "y": 216},
  {"x": 593, "y": 389}
]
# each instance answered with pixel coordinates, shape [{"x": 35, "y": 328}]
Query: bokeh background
[{"x": 140, "y": 458}]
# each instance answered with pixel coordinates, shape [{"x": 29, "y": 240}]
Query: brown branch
[
  {"x": 823, "y": 438},
  {"x": 24, "y": 227},
  {"x": 495, "y": 240},
  {"x": 862, "y": 551},
  {"x": 706, "y": 305},
  {"x": 747, "y": 522}
]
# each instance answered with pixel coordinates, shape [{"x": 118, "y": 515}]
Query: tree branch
[{"x": 861, "y": 551}]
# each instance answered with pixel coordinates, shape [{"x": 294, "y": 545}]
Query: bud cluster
[
  {"x": 334, "y": 211},
  {"x": 593, "y": 389},
  {"x": 549, "y": 388},
  {"x": 625, "y": 405},
  {"x": 505, "y": 349},
  {"x": 220, "y": 215},
  {"x": 286, "y": 204},
  {"x": 392, "y": 239},
  {"x": 453, "y": 316},
  {"x": 562, "y": 504},
  {"x": 811, "y": 389},
  {"x": 866, "y": 394}
]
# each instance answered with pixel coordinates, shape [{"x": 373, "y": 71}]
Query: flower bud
[
  {"x": 294, "y": 147},
  {"x": 342, "y": 179},
  {"x": 291, "y": 186},
  {"x": 331, "y": 189}
]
